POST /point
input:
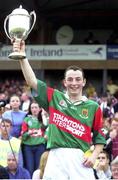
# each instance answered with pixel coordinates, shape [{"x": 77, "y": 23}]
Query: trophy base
[{"x": 17, "y": 56}]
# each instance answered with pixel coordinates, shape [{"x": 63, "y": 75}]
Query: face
[
  {"x": 106, "y": 122},
  {"x": 5, "y": 126},
  {"x": 15, "y": 102},
  {"x": 35, "y": 109},
  {"x": 2, "y": 96},
  {"x": 24, "y": 97},
  {"x": 12, "y": 163},
  {"x": 114, "y": 170},
  {"x": 114, "y": 125},
  {"x": 74, "y": 82},
  {"x": 103, "y": 160}
]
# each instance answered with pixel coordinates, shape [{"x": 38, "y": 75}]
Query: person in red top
[{"x": 33, "y": 141}]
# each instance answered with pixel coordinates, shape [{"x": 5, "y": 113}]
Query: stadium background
[{"x": 98, "y": 17}]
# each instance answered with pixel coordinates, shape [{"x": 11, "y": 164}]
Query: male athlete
[{"x": 75, "y": 123}]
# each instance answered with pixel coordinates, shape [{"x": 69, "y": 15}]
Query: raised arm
[{"x": 28, "y": 73}]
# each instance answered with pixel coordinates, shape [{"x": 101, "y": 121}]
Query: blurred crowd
[{"x": 24, "y": 128}]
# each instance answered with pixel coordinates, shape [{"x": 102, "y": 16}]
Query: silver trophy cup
[{"x": 18, "y": 25}]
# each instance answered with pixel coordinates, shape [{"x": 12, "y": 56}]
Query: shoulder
[
  {"x": 7, "y": 115},
  {"x": 92, "y": 102},
  {"x": 27, "y": 118},
  {"x": 22, "y": 112},
  {"x": 24, "y": 171},
  {"x": 14, "y": 139},
  {"x": 7, "y": 112},
  {"x": 36, "y": 174},
  {"x": 41, "y": 83}
]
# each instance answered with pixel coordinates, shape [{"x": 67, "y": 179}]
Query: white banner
[{"x": 58, "y": 52}]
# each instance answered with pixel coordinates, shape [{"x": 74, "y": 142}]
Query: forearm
[
  {"x": 97, "y": 149},
  {"x": 90, "y": 161},
  {"x": 28, "y": 73}
]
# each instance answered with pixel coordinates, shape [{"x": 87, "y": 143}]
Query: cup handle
[
  {"x": 34, "y": 17},
  {"x": 5, "y": 24}
]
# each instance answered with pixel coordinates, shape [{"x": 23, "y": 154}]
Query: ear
[
  {"x": 84, "y": 82},
  {"x": 64, "y": 82}
]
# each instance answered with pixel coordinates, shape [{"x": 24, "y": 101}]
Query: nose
[{"x": 74, "y": 82}]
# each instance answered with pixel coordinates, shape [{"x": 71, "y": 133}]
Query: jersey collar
[{"x": 83, "y": 99}]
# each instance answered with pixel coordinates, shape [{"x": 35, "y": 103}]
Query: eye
[
  {"x": 70, "y": 79},
  {"x": 78, "y": 79}
]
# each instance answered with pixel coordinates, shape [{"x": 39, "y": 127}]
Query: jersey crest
[{"x": 84, "y": 113}]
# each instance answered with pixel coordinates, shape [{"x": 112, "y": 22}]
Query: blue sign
[{"x": 112, "y": 52}]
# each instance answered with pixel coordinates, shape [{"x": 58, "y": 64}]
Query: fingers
[
  {"x": 87, "y": 163},
  {"x": 18, "y": 45}
]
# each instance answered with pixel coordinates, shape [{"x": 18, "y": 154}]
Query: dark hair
[
  {"x": 105, "y": 152},
  {"x": 74, "y": 68},
  {"x": 15, "y": 95},
  {"x": 30, "y": 113},
  {"x": 7, "y": 121}
]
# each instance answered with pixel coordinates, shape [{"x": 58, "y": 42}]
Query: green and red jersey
[
  {"x": 71, "y": 125},
  {"x": 36, "y": 135}
]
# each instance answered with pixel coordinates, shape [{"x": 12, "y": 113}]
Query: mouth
[{"x": 73, "y": 89}]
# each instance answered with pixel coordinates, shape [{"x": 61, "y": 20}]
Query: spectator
[
  {"x": 3, "y": 97},
  {"x": 25, "y": 101},
  {"x": 114, "y": 168},
  {"x": 90, "y": 90},
  {"x": 14, "y": 170},
  {"x": 43, "y": 162},
  {"x": 38, "y": 174},
  {"x": 106, "y": 105},
  {"x": 114, "y": 137},
  {"x": 103, "y": 168},
  {"x": 7, "y": 143},
  {"x": 112, "y": 87},
  {"x": 33, "y": 141},
  {"x": 115, "y": 106},
  {"x": 15, "y": 115}
]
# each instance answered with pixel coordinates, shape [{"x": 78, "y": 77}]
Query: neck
[
  {"x": 35, "y": 116},
  {"x": 4, "y": 136},
  {"x": 104, "y": 168},
  {"x": 15, "y": 109},
  {"x": 74, "y": 98},
  {"x": 13, "y": 171}
]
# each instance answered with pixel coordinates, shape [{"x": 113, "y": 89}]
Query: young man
[
  {"x": 103, "y": 168},
  {"x": 75, "y": 122},
  {"x": 8, "y": 142}
]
